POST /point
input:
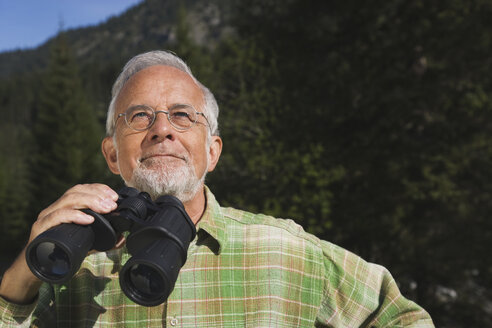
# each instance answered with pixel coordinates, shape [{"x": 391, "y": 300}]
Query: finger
[
  {"x": 98, "y": 198},
  {"x": 98, "y": 189},
  {"x": 106, "y": 201}
]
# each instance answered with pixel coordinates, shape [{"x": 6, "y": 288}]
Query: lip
[{"x": 148, "y": 156}]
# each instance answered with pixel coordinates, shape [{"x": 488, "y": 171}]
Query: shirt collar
[{"x": 212, "y": 224}]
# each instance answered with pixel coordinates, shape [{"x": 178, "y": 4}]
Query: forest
[{"x": 368, "y": 123}]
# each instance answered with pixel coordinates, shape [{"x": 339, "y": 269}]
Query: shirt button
[{"x": 174, "y": 322}]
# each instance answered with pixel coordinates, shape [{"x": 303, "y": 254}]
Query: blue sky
[{"x": 29, "y": 23}]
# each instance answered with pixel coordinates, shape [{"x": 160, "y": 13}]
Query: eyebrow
[{"x": 172, "y": 105}]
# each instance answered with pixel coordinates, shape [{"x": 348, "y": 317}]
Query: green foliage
[
  {"x": 66, "y": 132},
  {"x": 257, "y": 151},
  {"x": 14, "y": 189}
]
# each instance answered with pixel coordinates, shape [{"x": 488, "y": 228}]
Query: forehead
[{"x": 160, "y": 86}]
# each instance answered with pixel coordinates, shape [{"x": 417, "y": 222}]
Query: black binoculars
[{"x": 160, "y": 234}]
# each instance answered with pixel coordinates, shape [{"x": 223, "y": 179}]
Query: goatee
[{"x": 162, "y": 177}]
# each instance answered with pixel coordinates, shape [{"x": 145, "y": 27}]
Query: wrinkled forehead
[{"x": 160, "y": 86}]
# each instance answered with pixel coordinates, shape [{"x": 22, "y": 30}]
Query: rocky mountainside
[{"x": 148, "y": 25}]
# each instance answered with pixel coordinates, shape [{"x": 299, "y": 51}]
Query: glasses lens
[
  {"x": 52, "y": 261},
  {"x": 146, "y": 281},
  {"x": 182, "y": 116},
  {"x": 139, "y": 117}
]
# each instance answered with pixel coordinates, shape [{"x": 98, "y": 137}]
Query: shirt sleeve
[
  {"x": 362, "y": 294},
  {"x": 37, "y": 314},
  {"x": 15, "y": 315}
]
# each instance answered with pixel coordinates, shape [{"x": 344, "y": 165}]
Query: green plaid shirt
[{"x": 243, "y": 270}]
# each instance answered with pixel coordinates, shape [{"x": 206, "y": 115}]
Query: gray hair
[{"x": 165, "y": 58}]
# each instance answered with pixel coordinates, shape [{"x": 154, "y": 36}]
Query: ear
[
  {"x": 109, "y": 151},
  {"x": 214, "y": 152}
]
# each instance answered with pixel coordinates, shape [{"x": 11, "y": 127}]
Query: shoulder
[
  {"x": 268, "y": 227},
  {"x": 241, "y": 229},
  {"x": 284, "y": 236}
]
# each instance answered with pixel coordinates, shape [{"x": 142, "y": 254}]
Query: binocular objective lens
[
  {"x": 146, "y": 280},
  {"x": 51, "y": 260}
]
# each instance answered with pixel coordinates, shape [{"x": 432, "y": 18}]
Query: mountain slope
[{"x": 148, "y": 25}]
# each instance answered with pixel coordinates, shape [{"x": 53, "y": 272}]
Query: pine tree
[
  {"x": 14, "y": 191},
  {"x": 66, "y": 131}
]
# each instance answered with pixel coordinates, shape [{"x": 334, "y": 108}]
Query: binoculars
[{"x": 160, "y": 234}]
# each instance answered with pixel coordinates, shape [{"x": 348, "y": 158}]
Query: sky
[{"x": 29, "y": 23}]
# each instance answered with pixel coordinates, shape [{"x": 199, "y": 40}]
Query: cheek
[
  {"x": 125, "y": 166},
  {"x": 127, "y": 159},
  {"x": 196, "y": 147},
  {"x": 201, "y": 159}
]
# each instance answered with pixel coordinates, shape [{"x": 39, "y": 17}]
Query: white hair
[
  {"x": 165, "y": 58},
  {"x": 159, "y": 179}
]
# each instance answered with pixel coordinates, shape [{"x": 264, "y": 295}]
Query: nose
[{"x": 161, "y": 129}]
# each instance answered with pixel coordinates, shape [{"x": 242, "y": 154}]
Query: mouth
[{"x": 159, "y": 155}]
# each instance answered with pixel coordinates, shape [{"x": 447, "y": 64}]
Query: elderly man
[{"x": 242, "y": 269}]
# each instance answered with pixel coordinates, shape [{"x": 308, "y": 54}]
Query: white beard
[{"x": 160, "y": 177}]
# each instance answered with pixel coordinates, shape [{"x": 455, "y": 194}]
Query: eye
[
  {"x": 139, "y": 117},
  {"x": 182, "y": 115}
]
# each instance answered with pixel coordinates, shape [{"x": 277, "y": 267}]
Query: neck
[{"x": 196, "y": 206}]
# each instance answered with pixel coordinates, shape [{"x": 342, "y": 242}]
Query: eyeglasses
[{"x": 181, "y": 116}]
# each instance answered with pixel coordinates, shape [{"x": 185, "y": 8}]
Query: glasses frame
[{"x": 167, "y": 112}]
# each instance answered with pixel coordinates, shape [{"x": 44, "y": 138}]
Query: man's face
[{"x": 162, "y": 150}]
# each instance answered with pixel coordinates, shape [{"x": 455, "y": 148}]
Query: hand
[
  {"x": 19, "y": 285},
  {"x": 97, "y": 197}
]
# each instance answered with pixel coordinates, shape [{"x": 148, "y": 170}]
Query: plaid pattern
[{"x": 243, "y": 270}]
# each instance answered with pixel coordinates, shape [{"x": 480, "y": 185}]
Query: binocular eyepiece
[{"x": 160, "y": 234}]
